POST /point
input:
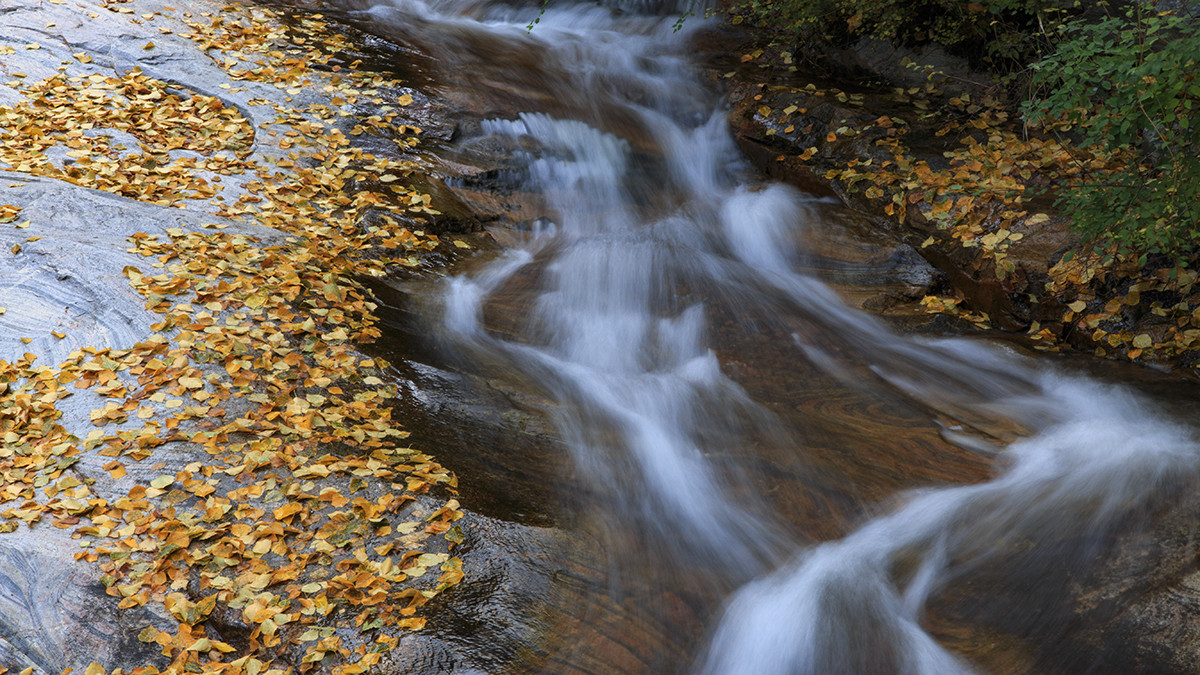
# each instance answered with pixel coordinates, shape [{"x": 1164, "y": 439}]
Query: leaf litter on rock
[{"x": 253, "y": 362}]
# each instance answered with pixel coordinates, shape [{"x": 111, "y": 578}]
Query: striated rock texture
[{"x": 75, "y": 268}]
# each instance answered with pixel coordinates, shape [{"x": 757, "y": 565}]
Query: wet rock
[
  {"x": 872, "y": 260},
  {"x": 1132, "y": 605},
  {"x": 494, "y": 434},
  {"x": 489, "y": 623},
  {"x": 453, "y": 215},
  {"x": 1142, "y": 603},
  {"x": 826, "y": 131},
  {"x": 54, "y": 613},
  {"x": 866, "y": 263},
  {"x": 876, "y": 60},
  {"x": 72, "y": 281}
]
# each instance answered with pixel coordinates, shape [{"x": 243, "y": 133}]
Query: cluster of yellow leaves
[
  {"x": 941, "y": 304},
  {"x": 253, "y": 361},
  {"x": 75, "y": 111},
  {"x": 1171, "y": 296},
  {"x": 786, "y": 58},
  {"x": 247, "y": 52},
  {"x": 976, "y": 197},
  {"x": 782, "y": 120}
]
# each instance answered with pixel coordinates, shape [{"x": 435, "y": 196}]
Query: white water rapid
[{"x": 655, "y": 223}]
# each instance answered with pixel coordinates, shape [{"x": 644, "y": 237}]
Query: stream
[{"x": 829, "y": 495}]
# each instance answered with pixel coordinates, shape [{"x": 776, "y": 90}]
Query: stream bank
[{"x": 939, "y": 157}]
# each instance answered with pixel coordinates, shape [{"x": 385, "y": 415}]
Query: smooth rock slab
[
  {"x": 71, "y": 281},
  {"x": 54, "y": 614}
]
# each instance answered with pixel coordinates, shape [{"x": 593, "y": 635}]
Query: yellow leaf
[
  {"x": 94, "y": 669},
  {"x": 1078, "y": 306},
  {"x": 286, "y": 511},
  {"x": 201, "y": 645},
  {"x": 23, "y": 225},
  {"x": 1142, "y": 341},
  {"x": 148, "y": 45},
  {"x": 405, "y": 99}
]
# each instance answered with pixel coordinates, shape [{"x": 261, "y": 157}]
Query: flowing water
[{"x": 658, "y": 244}]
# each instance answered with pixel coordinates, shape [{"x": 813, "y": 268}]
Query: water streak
[{"x": 654, "y": 223}]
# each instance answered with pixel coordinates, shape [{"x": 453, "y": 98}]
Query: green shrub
[{"x": 1128, "y": 87}]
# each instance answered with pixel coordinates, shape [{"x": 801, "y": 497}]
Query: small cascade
[{"x": 654, "y": 225}]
